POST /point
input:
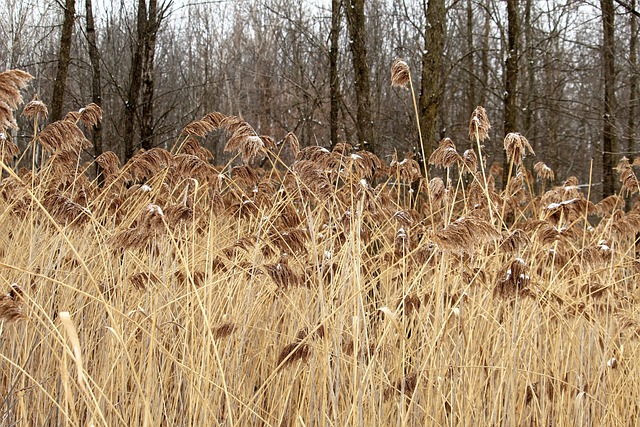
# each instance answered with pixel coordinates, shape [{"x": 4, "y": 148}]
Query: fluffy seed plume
[
  {"x": 514, "y": 280},
  {"x": 407, "y": 170},
  {"x": 109, "y": 163},
  {"x": 292, "y": 140},
  {"x": 283, "y": 275},
  {"x": 141, "y": 281},
  {"x": 63, "y": 135},
  {"x": 445, "y": 155},
  {"x": 91, "y": 115},
  {"x": 8, "y": 148},
  {"x": 294, "y": 352},
  {"x": 516, "y": 147},
  {"x": 11, "y": 306},
  {"x": 243, "y": 138},
  {"x": 400, "y": 74},
  {"x": 470, "y": 160},
  {"x": 628, "y": 178},
  {"x": 199, "y": 128},
  {"x": 479, "y": 125},
  {"x": 35, "y": 108},
  {"x": 11, "y": 82},
  {"x": 224, "y": 330},
  {"x": 543, "y": 171},
  {"x": 192, "y": 146},
  {"x": 464, "y": 234}
]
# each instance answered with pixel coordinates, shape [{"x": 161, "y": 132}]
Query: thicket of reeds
[{"x": 308, "y": 287}]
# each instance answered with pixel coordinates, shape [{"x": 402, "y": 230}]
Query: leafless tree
[
  {"x": 64, "y": 58},
  {"x": 608, "y": 65},
  {"x": 358, "y": 44},
  {"x": 96, "y": 82}
]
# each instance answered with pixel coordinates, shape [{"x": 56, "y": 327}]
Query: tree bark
[
  {"x": 149, "y": 50},
  {"x": 431, "y": 81},
  {"x": 135, "y": 82},
  {"x": 608, "y": 64},
  {"x": 358, "y": 44},
  {"x": 633, "y": 82},
  {"x": 530, "y": 86},
  {"x": 64, "y": 58},
  {"x": 96, "y": 85},
  {"x": 485, "y": 54},
  {"x": 334, "y": 84},
  {"x": 511, "y": 78},
  {"x": 471, "y": 58}
]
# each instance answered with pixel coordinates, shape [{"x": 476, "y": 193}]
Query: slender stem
[{"x": 484, "y": 176}]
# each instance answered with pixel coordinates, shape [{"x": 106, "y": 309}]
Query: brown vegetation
[{"x": 327, "y": 289}]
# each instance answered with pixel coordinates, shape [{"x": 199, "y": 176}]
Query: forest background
[{"x": 563, "y": 74}]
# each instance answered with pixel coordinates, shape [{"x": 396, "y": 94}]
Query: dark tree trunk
[
  {"x": 485, "y": 54},
  {"x": 511, "y": 77},
  {"x": 96, "y": 86},
  {"x": 64, "y": 58},
  {"x": 135, "y": 82},
  {"x": 333, "y": 70},
  {"x": 151, "y": 35},
  {"x": 358, "y": 44},
  {"x": 431, "y": 80},
  {"x": 471, "y": 58},
  {"x": 633, "y": 82},
  {"x": 530, "y": 58},
  {"x": 608, "y": 58}
]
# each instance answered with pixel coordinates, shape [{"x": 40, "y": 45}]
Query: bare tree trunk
[
  {"x": 633, "y": 81},
  {"x": 485, "y": 55},
  {"x": 334, "y": 83},
  {"x": 151, "y": 35},
  {"x": 608, "y": 58},
  {"x": 96, "y": 86},
  {"x": 64, "y": 58},
  {"x": 511, "y": 77},
  {"x": 471, "y": 58},
  {"x": 530, "y": 58},
  {"x": 431, "y": 81},
  {"x": 358, "y": 43},
  {"x": 131, "y": 105}
]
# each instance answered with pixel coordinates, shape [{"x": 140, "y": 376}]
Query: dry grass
[{"x": 326, "y": 292}]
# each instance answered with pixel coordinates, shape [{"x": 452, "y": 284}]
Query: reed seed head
[
  {"x": 400, "y": 74},
  {"x": 479, "y": 125}
]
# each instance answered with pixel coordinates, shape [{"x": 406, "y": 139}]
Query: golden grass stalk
[{"x": 72, "y": 335}]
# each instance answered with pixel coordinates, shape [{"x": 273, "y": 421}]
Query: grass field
[{"x": 327, "y": 290}]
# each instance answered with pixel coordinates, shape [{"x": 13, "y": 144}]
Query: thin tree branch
[{"x": 628, "y": 7}]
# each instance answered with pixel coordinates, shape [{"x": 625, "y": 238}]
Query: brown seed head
[
  {"x": 141, "y": 281},
  {"x": 91, "y": 115},
  {"x": 516, "y": 147},
  {"x": 8, "y": 149},
  {"x": 292, "y": 140},
  {"x": 10, "y": 309},
  {"x": 224, "y": 330},
  {"x": 400, "y": 74},
  {"x": 11, "y": 82},
  {"x": 35, "y": 108},
  {"x": 470, "y": 160},
  {"x": 294, "y": 352},
  {"x": 199, "y": 128},
  {"x": 466, "y": 233},
  {"x": 63, "y": 135},
  {"x": 445, "y": 155},
  {"x": 243, "y": 138},
  {"x": 479, "y": 125},
  {"x": 543, "y": 171}
]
